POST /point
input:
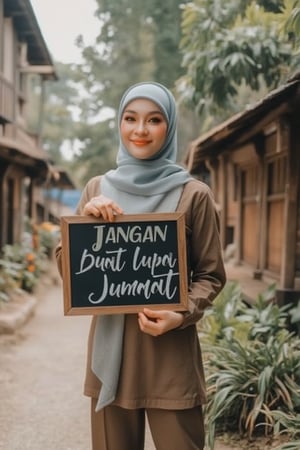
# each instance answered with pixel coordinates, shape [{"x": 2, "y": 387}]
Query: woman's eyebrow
[{"x": 131, "y": 111}]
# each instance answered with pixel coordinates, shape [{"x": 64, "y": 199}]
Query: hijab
[
  {"x": 146, "y": 181},
  {"x": 138, "y": 186}
]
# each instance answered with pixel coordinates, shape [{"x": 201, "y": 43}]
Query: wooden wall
[{"x": 257, "y": 189}]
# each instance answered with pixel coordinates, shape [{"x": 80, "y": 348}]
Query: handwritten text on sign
[{"x": 125, "y": 264}]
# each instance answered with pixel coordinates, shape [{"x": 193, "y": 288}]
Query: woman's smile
[{"x": 140, "y": 143}]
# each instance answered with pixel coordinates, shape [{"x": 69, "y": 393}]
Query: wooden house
[
  {"x": 24, "y": 165},
  {"x": 252, "y": 162}
]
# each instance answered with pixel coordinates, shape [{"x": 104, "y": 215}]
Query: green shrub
[
  {"x": 287, "y": 424},
  {"x": 294, "y": 314},
  {"x": 48, "y": 236},
  {"x": 252, "y": 364},
  {"x": 221, "y": 321},
  {"x": 8, "y": 275},
  {"x": 265, "y": 316},
  {"x": 23, "y": 265},
  {"x": 245, "y": 383}
]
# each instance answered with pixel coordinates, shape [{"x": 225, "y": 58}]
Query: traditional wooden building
[
  {"x": 51, "y": 206},
  {"x": 23, "y": 163},
  {"x": 252, "y": 162}
]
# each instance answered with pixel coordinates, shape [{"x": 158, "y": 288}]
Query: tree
[
  {"x": 227, "y": 45},
  {"x": 137, "y": 41},
  {"x": 58, "y": 125},
  {"x": 166, "y": 17},
  {"x": 292, "y": 22}
]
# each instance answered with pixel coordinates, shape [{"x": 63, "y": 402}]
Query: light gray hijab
[
  {"x": 147, "y": 180},
  {"x": 138, "y": 186}
]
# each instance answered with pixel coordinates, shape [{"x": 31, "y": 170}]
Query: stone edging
[{"x": 16, "y": 312}]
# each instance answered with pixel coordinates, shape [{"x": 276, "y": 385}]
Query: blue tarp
[{"x": 69, "y": 197}]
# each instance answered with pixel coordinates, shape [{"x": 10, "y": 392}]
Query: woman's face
[{"x": 143, "y": 128}]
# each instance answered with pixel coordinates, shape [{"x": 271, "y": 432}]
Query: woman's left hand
[{"x": 156, "y": 322}]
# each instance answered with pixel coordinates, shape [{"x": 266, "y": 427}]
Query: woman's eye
[
  {"x": 155, "y": 120},
  {"x": 128, "y": 118}
]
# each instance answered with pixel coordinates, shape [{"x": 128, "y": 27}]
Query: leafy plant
[
  {"x": 266, "y": 316},
  {"x": 227, "y": 43},
  {"x": 232, "y": 317},
  {"x": 222, "y": 321},
  {"x": 294, "y": 314},
  {"x": 45, "y": 237},
  {"x": 295, "y": 445},
  {"x": 8, "y": 274},
  {"x": 249, "y": 374},
  {"x": 23, "y": 265},
  {"x": 287, "y": 424},
  {"x": 246, "y": 383}
]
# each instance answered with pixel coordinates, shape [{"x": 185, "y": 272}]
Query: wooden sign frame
[{"x": 112, "y": 253}]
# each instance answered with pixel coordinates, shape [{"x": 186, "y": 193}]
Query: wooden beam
[{"x": 42, "y": 70}]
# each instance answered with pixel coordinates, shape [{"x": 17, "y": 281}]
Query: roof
[
  {"x": 26, "y": 155},
  {"x": 214, "y": 141},
  {"x": 61, "y": 178},
  {"x": 29, "y": 31}
]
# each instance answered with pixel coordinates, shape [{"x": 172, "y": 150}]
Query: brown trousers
[{"x": 115, "y": 428}]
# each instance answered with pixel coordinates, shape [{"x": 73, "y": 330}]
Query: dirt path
[
  {"x": 41, "y": 376},
  {"x": 41, "y": 372}
]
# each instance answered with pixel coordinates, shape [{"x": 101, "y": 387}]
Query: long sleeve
[{"x": 204, "y": 253}]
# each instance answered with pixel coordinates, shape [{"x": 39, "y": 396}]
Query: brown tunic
[{"x": 166, "y": 371}]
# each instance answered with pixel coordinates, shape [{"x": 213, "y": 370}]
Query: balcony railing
[{"x": 14, "y": 136}]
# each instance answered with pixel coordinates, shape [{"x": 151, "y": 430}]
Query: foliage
[
  {"x": 21, "y": 266},
  {"x": 226, "y": 45},
  {"x": 98, "y": 153},
  {"x": 295, "y": 445},
  {"x": 231, "y": 317},
  {"x": 266, "y": 317},
  {"x": 252, "y": 364},
  {"x": 295, "y": 316},
  {"x": 48, "y": 236},
  {"x": 136, "y": 42},
  {"x": 245, "y": 383},
  {"x": 56, "y": 124},
  {"x": 292, "y": 23},
  {"x": 228, "y": 48},
  {"x": 8, "y": 274},
  {"x": 287, "y": 424},
  {"x": 221, "y": 322}
]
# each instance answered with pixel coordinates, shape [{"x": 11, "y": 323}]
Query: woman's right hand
[{"x": 102, "y": 206}]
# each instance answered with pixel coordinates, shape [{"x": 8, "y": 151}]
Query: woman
[{"x": 151, "y": 362}]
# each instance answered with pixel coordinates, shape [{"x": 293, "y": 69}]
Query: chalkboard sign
[{"x": 123, "y": 266}]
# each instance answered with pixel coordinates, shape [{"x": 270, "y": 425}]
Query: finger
[
  {"x": 107, "y": 210},
  {"x": 154, "y": 314},
  {"x": 148, "y": 326},
  {"x": 103, "y": 212},
  {"x": 117, "y": 209},
  {"x": 110, "y": 216},
  {"x": 90, "y": 210}
]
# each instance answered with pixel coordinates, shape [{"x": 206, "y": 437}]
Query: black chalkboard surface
[{"x": 123, "y": 266}]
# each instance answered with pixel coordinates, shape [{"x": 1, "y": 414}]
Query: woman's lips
[{"x": 141, "y": 143}]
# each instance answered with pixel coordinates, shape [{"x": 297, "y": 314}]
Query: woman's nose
[{"x": 141, "y": 127}]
